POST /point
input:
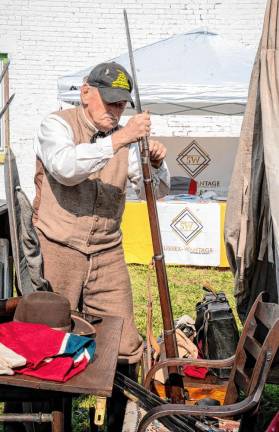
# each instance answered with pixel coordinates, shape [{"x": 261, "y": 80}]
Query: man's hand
[
  {"x": 157, "y": 152},
  {"x": 137, "y": 127}
]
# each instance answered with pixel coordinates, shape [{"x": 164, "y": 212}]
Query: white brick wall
[{"x": 47, "y": 38}]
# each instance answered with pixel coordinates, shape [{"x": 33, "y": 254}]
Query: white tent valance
[{"x": 186, "y": 73}]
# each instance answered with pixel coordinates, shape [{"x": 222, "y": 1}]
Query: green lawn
[{"x": 185, "y": 286}]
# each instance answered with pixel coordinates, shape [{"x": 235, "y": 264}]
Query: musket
[{"x": 175, "y": 381}]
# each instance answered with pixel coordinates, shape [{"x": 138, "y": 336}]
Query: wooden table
[
  {"x": 98, "y": 376},
  {"x": 96, "y": 379}
]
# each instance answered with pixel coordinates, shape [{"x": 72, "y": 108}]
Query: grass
[{"x": 185, "y": 286}]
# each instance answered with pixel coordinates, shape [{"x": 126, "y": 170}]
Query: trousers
[{"x": 101, "y": 281}]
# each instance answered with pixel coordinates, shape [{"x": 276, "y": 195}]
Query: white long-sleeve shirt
[{"x": 71, "y": 164}]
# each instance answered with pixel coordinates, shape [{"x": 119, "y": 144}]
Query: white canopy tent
[
  {"x": 196, "y": 73},
  {"x": 184, "y": 74}
]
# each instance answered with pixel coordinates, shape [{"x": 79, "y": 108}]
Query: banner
[
  {"x": 208, "y": 160},
  {"x": 190, "y": 233}
]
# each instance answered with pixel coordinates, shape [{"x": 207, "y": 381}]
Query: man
[{"x": 84, "y": 160}]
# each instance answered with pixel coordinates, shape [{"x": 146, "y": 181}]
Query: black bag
[{"x": 217, "y": 332}]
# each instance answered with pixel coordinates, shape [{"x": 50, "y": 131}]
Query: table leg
[
  {"x": 67, "y": 410},
  {"x": 57, "y": 421},
  {"x": 58, "y": 406}
]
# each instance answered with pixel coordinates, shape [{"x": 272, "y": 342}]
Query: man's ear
[{"x": 84, "y": 93}]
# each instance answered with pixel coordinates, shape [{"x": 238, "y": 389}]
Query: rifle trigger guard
[{"x": 158, "y": 257}]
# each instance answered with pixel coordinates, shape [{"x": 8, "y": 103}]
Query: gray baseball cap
[{"x": 113, "y": 82}]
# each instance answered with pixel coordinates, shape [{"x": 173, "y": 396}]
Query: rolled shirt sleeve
[
  {"x": 68, "y": 163},
  {"x": 160, "y": 176}
]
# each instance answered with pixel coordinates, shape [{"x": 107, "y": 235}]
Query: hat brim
[
  {"x": 111, "y": 95},
  {"x": 81, "y": 327}
]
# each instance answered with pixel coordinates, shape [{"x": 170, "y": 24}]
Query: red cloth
[
  {"x": 274, "y": 425},
  {"x": 35, "y": 342},
  {"x": 193, "y": 187},
  {"x": 50, "y": 354},
  {"x": 59, "y": 369},
  {"x": 196, "y": 371}
]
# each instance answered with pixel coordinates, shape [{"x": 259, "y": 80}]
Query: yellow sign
[{"x": 121, "y": 81}]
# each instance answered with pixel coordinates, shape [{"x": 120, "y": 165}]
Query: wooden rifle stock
[{"x": 175, "y": 381}]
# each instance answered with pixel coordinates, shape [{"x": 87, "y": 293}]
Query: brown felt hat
[{"x": 44, "y": 307}]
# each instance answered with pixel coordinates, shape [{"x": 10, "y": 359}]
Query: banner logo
[
  {"x": 193, "y": 159},
  {"x": 186, "y": 225}
]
